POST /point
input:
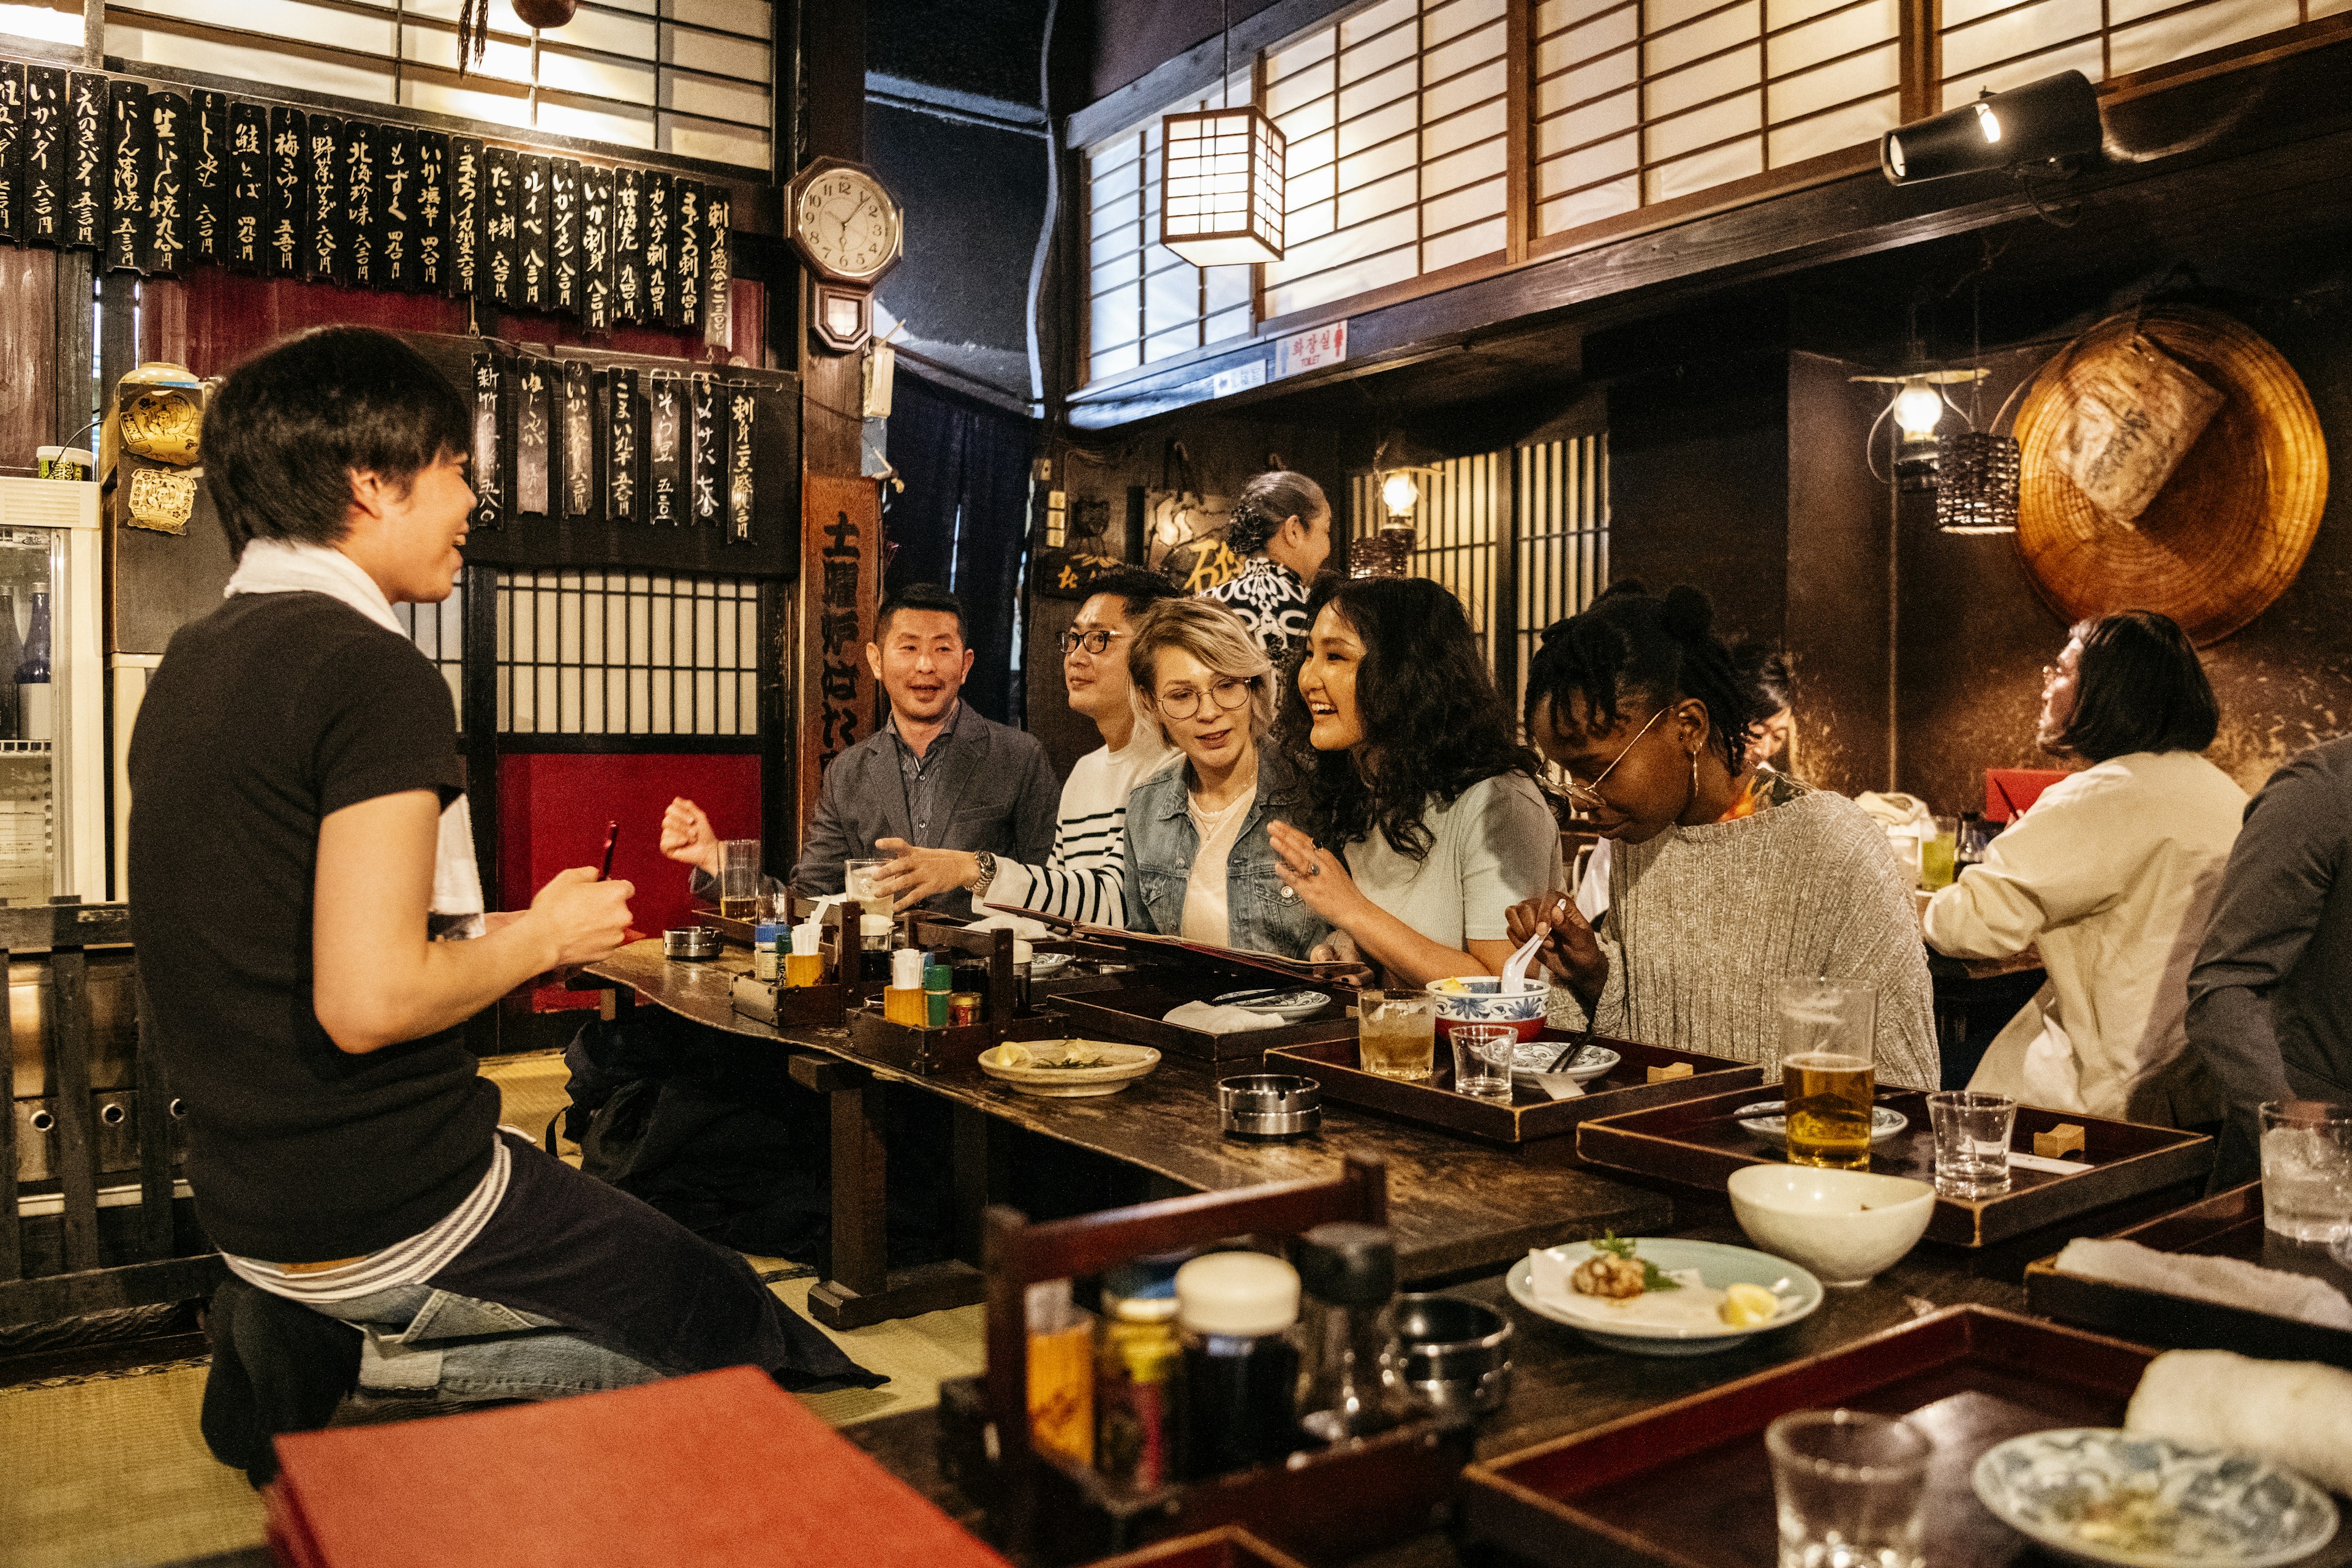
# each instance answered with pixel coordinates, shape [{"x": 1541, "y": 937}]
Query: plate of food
[
  {"x": 1291, "y": 1007},
  {"x": 1660, "y": 1296},
  {"x": 2100, "y": 1495},
  {"x": 1041, "y": 964},
  {"x": 1533, "y": 1059},
  {"x": 1768, "y": 1120},
  {"x": 1069, "y": 1069}
]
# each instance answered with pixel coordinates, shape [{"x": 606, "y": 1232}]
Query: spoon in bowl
[{"x": 1514, "y": 968}]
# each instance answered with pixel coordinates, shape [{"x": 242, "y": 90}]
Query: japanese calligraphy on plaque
[
  {"x": 361, "y": 219},
  {"x": 167, "y": 218},
  {"x": 89, "y": 172},
  {"x": 209, "y": 177},
  {"x": 465, "y": 215},
  {"x": 628, "y": 246},
  {"x": 248, "y": 186},
  {"x": 839, "y": 524},
  {"x": 661, "y": 280},
  {"x": 563, "y": 235},
  {"x": 596, "y": 246},
  {"x": 46, "y": 148},
  {"x": 718, "y": 269},
  {"x": 534, "y": 431},
  {"x": 128, "y": 160},
  {"x": 396, "y": 205},
  {"x": 327, "y": 231},
  {"x": 533, "y": 288},
  {"x": 12, "y": 151},
  {"x": 665, "y": 449},
  {"x": 743, "y": 428},
  {"x": 689, "y": 256},
  {"x": 622, "y": 473},
  {"x": 289, "y": 190},
  {"x": 706, "y": 454},
  {"x": 579, "y": 439},
  {"x": 488, "y": 479},
  {"x": 494, "y": 264}
]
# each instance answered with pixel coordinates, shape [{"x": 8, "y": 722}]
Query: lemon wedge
[{"x": 1748, "y": 1307}]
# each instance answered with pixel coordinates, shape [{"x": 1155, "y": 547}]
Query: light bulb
[
  {"x": 1398, "y": 493},
  {"x": 1918, "y": 408},
  {"x": 1988, "y": 121}
]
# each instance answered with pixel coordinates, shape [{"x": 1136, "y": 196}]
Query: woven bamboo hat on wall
[{"x": 2227, "y": 531}]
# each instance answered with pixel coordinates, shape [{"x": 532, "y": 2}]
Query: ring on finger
[{"x": 1316, "y": 869}]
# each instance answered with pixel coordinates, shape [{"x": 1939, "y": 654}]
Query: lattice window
[
  {"x": 2002, "y": 44},
  {"x": 687, "y": 76},
  {"x": 1144, "y": 301},
  {"x": 439, "y": 632},
  {"x": 1398, "y": 121},
  {"x": 1560, "y": 521},
  {"x": 595, "y": 653},
  {"x": 1642, "y": 101}
]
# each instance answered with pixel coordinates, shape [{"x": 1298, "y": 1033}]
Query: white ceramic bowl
[
  {"x": 1479, "y": 999},
  {"x": 1844, "y": 1225}
]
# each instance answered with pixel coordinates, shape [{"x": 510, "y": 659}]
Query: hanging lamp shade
[{"x": 1220, "y": 186}]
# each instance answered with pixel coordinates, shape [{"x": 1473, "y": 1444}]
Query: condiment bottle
[
  {"x": 805, "y": 964},
  {"x": 1136, "y": 1367},
  {"x": 1023, "y": 954},
  {"x": 763, "y": 951},
  {"x": 1349, "y": 1272},
  {"x": 902, "y": 1000},
  {"x": 1237, "y": 1399},
  {"x": 1061, "y": 1372},
  {"x": 874, "y": 949},
  {"x": 939, "y": 985}
]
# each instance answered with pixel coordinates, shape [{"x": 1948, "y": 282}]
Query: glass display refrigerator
[{"x": 53, "y": 817}]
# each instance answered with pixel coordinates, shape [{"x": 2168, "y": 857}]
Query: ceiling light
[{"x": 2042, "y": 122}]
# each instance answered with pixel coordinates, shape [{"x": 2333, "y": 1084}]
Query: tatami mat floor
[{"x": 109, "y": 1472}]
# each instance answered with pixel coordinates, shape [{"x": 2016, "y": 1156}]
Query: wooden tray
[
  {"x": 1532, "y": 1114},
  {"x": 1228, "y": 1547},
  {"x": 1133, "y": 1013},
  {"x": 2227, "y": 1224},
  {"x": 1697, "y": 1143},
  {"x": 1687, "y": 1484}
]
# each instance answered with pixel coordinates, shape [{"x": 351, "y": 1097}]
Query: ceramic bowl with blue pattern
[{"x": 1481, "y": 999}]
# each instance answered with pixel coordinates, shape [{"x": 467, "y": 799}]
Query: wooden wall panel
[{"x": 28, "y": 348}]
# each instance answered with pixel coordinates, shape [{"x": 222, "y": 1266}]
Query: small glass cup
[
  {"x": 857, "y": 881},
  {"x": 1483, "y": 1058},
  {"x": 1851, "y": 1490},
  {"x": 2307, "y": 1170},
  {"x": 1397, "y": 1034},
  {"x": 1829, "y": 1069},
  {"x": 1972, "y": 1135},
  {"x": 739, "y": 879}
]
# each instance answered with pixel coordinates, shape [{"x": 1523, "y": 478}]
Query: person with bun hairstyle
[
  {"x": 1282, "y": 530},
  {"x": 1423, "y": 822},
  {"x": 1723, "y": 882}
]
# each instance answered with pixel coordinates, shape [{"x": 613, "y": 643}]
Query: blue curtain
[{"x": 963, "y": 520}]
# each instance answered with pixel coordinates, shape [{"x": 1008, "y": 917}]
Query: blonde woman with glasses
[{"x": 1198, "y": 862}]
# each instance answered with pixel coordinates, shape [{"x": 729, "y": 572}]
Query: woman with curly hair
[
  {"x": 1422, "y": 822},
  {"x": 1724, "y": 881},
  {"x": 1282, "y": 530}
]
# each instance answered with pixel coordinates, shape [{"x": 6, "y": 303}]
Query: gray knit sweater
[{"x": 1705, "y": 922}]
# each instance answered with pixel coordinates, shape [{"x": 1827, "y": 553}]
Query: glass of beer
[
  {"x": 739, "y": 879},
  {"x": 1829, "y": 1068},
  {"x": 1397, "y": 1033}
]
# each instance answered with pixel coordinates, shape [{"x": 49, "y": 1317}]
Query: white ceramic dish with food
[
  {"x": 1685, "y": 1321},
  {"x": 1069, "y": 1069},
  {"x": 2099, "y": 1495},
  {"x": 1041, "y": 964},
  {"x": 1291, "y": 1006},
  {"x": 1844, "y": 1225},
  {"x": 1482, "y": 999},
  {"x": 1768, "y": 1120}
]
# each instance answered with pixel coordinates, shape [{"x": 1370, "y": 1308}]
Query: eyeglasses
[
  {"x": 1587, "y": 798},
  {"x": 1096, "y": 641},
  {"x": 1183, "y": 703}
]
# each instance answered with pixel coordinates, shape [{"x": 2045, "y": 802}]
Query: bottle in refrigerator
[
  {"x": 12, "y": 653},
  {"x": 35, "y": 718}
]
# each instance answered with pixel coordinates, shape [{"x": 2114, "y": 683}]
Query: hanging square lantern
[
  {"x": 1977, "y": 483},
  {"x": 1220, "y": 186}
]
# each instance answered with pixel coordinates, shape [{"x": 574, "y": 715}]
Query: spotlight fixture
[{"x": 2040, "y": 122}]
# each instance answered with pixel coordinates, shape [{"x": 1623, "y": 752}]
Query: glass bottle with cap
[
  {"x": 1237, "y": 1400},
  {"x": 1349, "y": 1273},
  {"x": 1136, "y": 1370},
  {"x": 874, "y": 950}
]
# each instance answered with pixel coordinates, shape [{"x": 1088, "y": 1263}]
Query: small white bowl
[{"x": 1844, "y": 1225}]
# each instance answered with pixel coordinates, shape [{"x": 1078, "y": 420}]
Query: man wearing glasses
[{"x": 1081, "y": 879}]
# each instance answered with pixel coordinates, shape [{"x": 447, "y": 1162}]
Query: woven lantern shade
[
  {"x": 1220, "y": 186},
  {"x": 2230, "y": 529}
]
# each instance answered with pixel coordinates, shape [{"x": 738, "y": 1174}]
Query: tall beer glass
[{"x": 1829, "y": 1068}]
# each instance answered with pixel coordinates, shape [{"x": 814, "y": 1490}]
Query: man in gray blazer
[{"x": 937, "y": 776}]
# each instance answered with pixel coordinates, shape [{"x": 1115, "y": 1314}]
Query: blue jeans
[{"x": 420, "y": 1341}]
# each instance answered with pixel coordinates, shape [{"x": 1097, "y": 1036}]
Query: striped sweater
[{"x": 1082, "y": 877}]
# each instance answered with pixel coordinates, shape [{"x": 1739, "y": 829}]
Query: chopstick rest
[
  {"x": 1668, "y": 1074},
  {"x": 2067, "y": 1138}
]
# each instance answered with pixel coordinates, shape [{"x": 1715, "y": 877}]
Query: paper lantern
[{"x": 1220, "y": 186}]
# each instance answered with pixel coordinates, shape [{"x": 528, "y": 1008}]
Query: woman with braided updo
[
  {"x": 1282, "y": 532},
  {"x": 1723, "y": 882}
]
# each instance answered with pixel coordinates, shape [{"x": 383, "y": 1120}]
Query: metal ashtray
[
  {"x": 1270, "y": 1105},
  {"x": 690, "y": 943},
  {"x": 1454, "y": 1355}
]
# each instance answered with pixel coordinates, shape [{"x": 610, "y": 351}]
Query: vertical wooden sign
[
  {"x": 628, "y": 245},
  {"x": 705, "y": 457},
  {"x": 12, "y": 151},
  {"x": 742, "y": 449},
  {"x": 89, "y": 169},
  {"x": 689, "y": 255},
  {"x": 432, "y": 221},
  {"x": 465, "y": 215},
  {"x": 624, "y": 474},
  {"x": 129, "y": 162},
  {"x": 167, "y": 180},
  {"x": 563, "y": 235},
  {"x": 494, "y": 275},
  {"x": 596, "y": 247},
  {"x": 362, "y": 216},
  {"x": 665, "y": 449},
  {"x": 290, "y": 191},
  {"x": 211, "y": 176},
  {"x": 48, "y": 148},
  {"x": 579, "y": 439},
  {"x": 841, "y": 529},
  {"x": 718, "y": 269},
  {"x": 396, "y": 205},
  {"x": 490, "y": 474},
  {"x": 322, "y": 155},
  {"x": 661, "y": 277},
  {"x": 534, "y": 432},
  {"x": 534, "y": 288},
  {"x": 248, "y": 187}
]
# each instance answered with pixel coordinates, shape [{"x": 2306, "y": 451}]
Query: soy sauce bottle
[{"x": 1238, "y": 1395}]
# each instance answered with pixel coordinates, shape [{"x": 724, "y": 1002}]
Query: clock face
[{"x": 847, "y": 223}]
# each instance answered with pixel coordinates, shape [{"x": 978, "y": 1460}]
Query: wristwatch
[{"x": 979, "y": 884}]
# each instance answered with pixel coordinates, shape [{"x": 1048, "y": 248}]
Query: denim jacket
[{"x": 1162, "y": 841}]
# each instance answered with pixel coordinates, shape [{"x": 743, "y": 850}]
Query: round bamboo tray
[{"x": 2230, "y": 528}]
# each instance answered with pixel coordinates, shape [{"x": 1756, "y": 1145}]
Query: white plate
[
  {"x": 1044, "y": 963},
  {"x": 1016, "y": 1064},
  {"x": 2229, "y": 1509},
  {"x": 1589, "y": 1062},
  {"x": 1719, "y": 1266},
  {"x": 1290, "y": 1005},
  {"x": 1767, "y": 1119}
]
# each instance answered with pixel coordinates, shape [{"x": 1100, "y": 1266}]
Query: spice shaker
[
  {"x": 1061, "y": 1372},
  {"x": 1141, "y": 1355},
  {"x": 1237, "y": 1400},
  {"x": 1350, "y": 1274},
  {"x": 763, "y": 952}
]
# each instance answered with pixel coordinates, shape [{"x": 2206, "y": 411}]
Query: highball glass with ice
[
  {"x": 2307, "y": 1168},
  {"x": 1397, "y": 1033}
]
